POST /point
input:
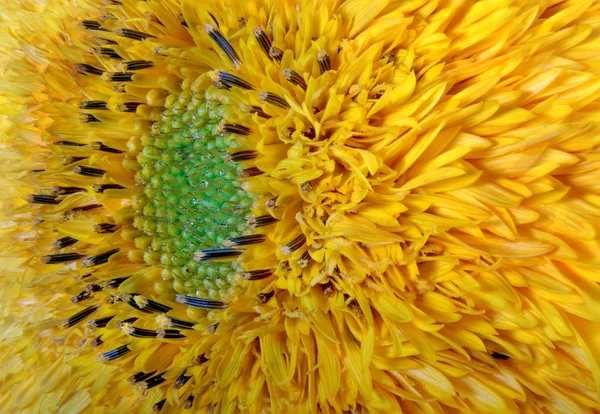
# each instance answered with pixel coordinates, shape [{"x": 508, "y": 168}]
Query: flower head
[{"x": 312, "y": 206}]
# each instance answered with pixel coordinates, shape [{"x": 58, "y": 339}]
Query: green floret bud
[{"x": 192, "y": 198}]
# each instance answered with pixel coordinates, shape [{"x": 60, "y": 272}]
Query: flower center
[{"x": 193, "y": 200}]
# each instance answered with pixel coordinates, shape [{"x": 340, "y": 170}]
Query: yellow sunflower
[{"x": 309, "y": 206}]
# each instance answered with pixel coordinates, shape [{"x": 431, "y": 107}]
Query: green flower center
[{"x": 193, "y": 199}]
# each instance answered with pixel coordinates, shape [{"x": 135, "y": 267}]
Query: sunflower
[{"x": 312, "y": 206}]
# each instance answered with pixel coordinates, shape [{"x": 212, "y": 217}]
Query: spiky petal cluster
[{"x": 424, "y": 228}]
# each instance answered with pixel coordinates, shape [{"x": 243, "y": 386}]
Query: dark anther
[
  {"x": 324, "y": 61},
  {"x": 152, "y": 382},
  {"x": 88, "y": 118},
  {"x": 498, "y": 355},
  {"x": 128, "y": 106},
  {"x": 295, "y": 78},
  {"x": 257, "y": 274},
  {"x": 274, "y": 99},
  {"x": 42, "y": 199},
  {"x": 223, "y": 44},
  {"x": 99, "y": 259},
  {"x": 263, "y": 298},
  {"x": 64, "y": 242},
  {"x": 88, "y": 171},
  {"x": 136, "y": 64},
  {"x": 328, "y": 289},
  {"x": 91, "y": 25},
  {"x": 102, "y": 228},
  {"x": 100, "y": 323},
  {"x": 159, "y": 405},
  {"x": 108, "y": 52},
  {"x": 262, "y": 221},
  {"x": 115, "y": 283},
  {"x": 201, "y": 303},
  {"x": 181, "y": 380},
  {"x": 68, "y": 144},
  {"x": 61, "y": 258},
  {"x": 84, "y": 68},
  {"x": 216, "y": 254},
  {"x": 78, "y": 317},
  {"x": 246, "y": 240},
  {"x": 132, "y": 34},
  {"x": 119, "y": 76},
  {"x": 276, "y": 53},
  {"x": 100, "y": 105},
  {"x": 81, "y": 296},
  {"x": 114, "y": 354},
  {"x": 263, "y": 40},
  {"x": 100, "y": 188},
  {"x": 245, "y": 155},
  {"x": 234, "y": 129},
  {"x": 250, "y": 172},
  {"x": 99, "y": 146},
  {"x": 140, "y": 376},
  {"x": 294, "y": 244},
  {"x": 189, "y": 402},
  {"x": 225, "y": 80}
]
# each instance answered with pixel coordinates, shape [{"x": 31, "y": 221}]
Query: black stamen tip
[
  {"x": 216, "y": 254},
  {"x": 498, "y": 355},
  {"x": 189, "y": 402},
  {"x": 140, "y": 376},
  {"x": 181, "y": 380},
  {"x": 225, "y": 80},
  {"x": 328, "y": 289},
  {"x": 133, "y": 34},
  {"x": 115, "y": 283},
  {"x": 64, "y": 242},
  {"x": 61, "y": 258},
  {"x": 273, "y": 99},
  {"x": 276, "y": 53},
  {"x": 263, "y": 298},
  {"x": 255, "y": 109},
  {"x": 114, "y": 354},
  {"x": 98, "y": 105},
  {"x": 102, "y": 228},
  {"x": 84, "y": 68},
  {"x": 257, "y": 274},
  {"x": 324, "y": 61},
  {"x": 78, "y": 317},
  {"x": 118, "y": 76},
  {"x": 250, "y": 172},
  {"x": 100, "y": 323},
  {"x": 136, "y": 65},
  {"x": 245, "y": 240},
  {"x": 223, "y": 44},
  {"x": 262, "y": 221},
  {"x": 294, "y": 245},
  {"x": 99, "y": 146},
  {"x": 130, "y": 107},
  {"x": 91, "y": 25},
  {"x": 234, "y": 129},
  {"x": 108, "y": 52},
  {"x": 263, "y": 40},
  {"x": 81, "y": 297},
  {"x": 295, "y": 78},
  {"x": 88, "y": 171},
  {"x": 42, "y": 199},
  {"x": 152, "y": 382},
  {"x": 99, "y": 259},
  {"x": 100, "y": 188},
  {"x": 245, "y": 155},
  {"x": 88, "y": 118},
  {"x": 159, "y": 405},
  {"x": 201, "y": 303}
]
